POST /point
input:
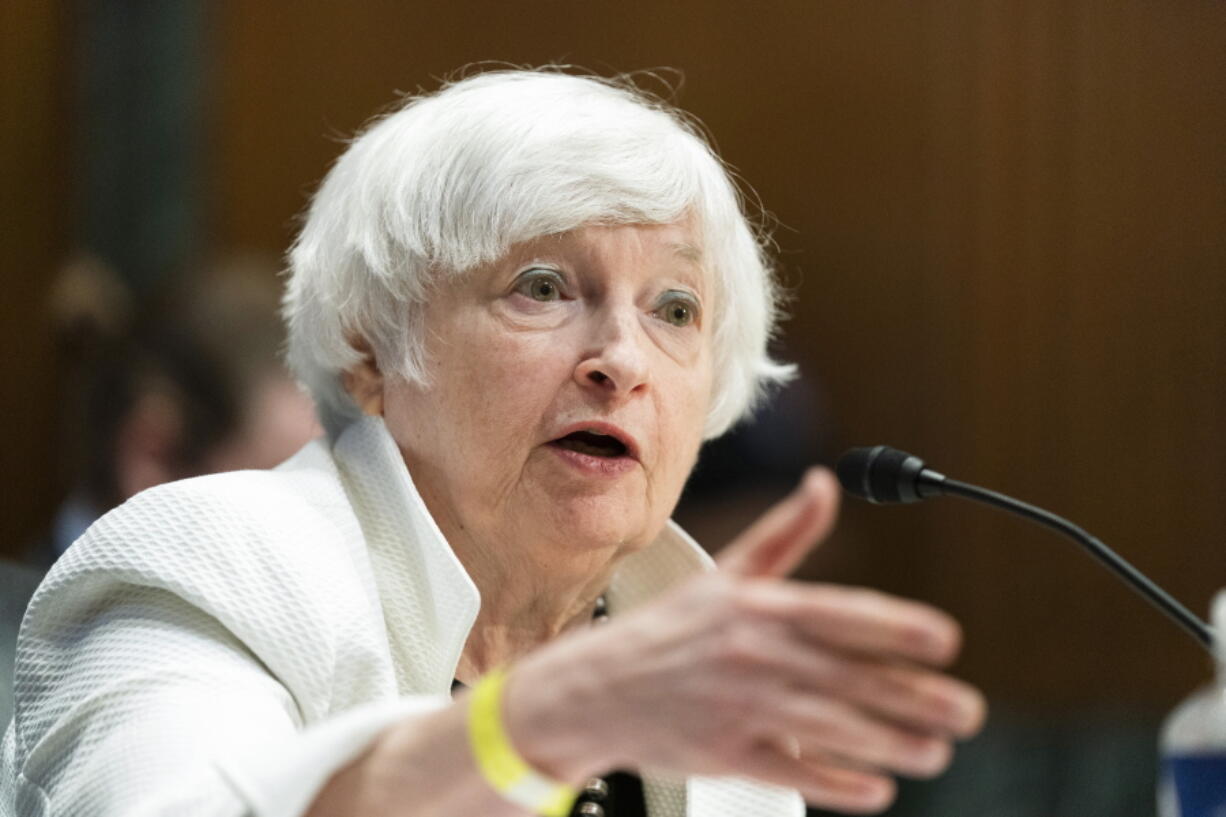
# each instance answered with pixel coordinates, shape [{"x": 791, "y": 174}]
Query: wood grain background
[{"x": 1005, "y": 221}]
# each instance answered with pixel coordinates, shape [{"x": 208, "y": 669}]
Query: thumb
[{"x": 782, "y": 537}]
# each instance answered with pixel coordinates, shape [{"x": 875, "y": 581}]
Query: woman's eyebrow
[
  {"x": 687, "y": 251},
  {"x": 693, "y": 273}
]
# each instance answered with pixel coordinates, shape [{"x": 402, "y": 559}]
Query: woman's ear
[{"x": 363, "y": 380}]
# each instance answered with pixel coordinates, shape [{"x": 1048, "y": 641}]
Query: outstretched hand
[{"x": 827, "y": 689}]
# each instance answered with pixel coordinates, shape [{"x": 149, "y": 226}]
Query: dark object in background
[
  {"x": 17, "y": 583},
  {"x": 775, "y": 446},
  {"x": 745, "y": 471},
  {"x": 1090, "y": 764}
]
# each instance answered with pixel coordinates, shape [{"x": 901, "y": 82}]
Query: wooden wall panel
[
  {"x": 1006, "y": 223},
  {"x": 32, "y": 229}
]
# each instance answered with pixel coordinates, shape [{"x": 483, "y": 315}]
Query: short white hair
[{"x": 451, "y": 180}]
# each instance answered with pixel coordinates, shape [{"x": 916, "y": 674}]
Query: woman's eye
[
  {"x": 540, "y": 287},
  {"x": 677, "y": 312}
]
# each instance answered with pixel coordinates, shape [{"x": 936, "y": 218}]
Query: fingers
[
  {"x": 776, "y": 543},
  {"x": 867, "y": 705},
  {"x": 857, "y": 620},
  {"x": 823, "y": 784},
  {"x": 828, "y": 726},
  {"x": 914, "y": 698}
]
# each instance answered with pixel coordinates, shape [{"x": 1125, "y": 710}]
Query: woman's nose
[{"x": 616, "y": 361}]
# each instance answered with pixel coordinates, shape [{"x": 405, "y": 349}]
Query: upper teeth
[{"x": 594, "y": 431}]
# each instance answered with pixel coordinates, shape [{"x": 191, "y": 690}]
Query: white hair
[{"x": 451, "y": 180}]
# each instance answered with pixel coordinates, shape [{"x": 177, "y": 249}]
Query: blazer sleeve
[{"x": 156, "y": 677}]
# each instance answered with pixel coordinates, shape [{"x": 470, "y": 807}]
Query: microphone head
[{"x": 885, "y": 475}]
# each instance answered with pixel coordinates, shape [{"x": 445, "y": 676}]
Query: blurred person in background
[{"x": 189, "y": 382}]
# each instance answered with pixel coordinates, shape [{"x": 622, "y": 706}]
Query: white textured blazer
[{"x": 222, "y": 645}]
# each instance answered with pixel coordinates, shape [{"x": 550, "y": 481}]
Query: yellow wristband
[{"x": 499, "y": 763}]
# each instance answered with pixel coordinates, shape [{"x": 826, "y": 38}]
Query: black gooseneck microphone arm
[
  {"x": 868, "y": 468},
  {"x": 1114, "y": 562}
]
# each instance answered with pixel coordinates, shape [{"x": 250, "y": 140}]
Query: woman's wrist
[{"x": 551, "y": 711}]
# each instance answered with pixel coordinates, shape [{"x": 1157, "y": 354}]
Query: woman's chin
[
  {"x": 595, "y": 525},
  {"x": 586, "y": 511}
]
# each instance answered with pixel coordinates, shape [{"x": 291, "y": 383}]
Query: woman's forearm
[
  {"x": 424, "y": 766},
  {"x": 415, "y": 768}
]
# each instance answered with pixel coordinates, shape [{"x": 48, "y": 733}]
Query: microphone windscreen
[
  {"x": 852, "y": 470},
  {"x": 876, "y": 474}
]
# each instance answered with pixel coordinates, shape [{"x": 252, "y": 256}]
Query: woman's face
[{"x": 569, "y": 385}]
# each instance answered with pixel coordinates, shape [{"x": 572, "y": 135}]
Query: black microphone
[{"x": 885, "y": 475}]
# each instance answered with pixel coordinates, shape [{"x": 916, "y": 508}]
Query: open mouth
[{"x": 592, "y": 443}]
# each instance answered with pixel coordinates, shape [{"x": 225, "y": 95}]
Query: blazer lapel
[{"x": 429, "y": 602}]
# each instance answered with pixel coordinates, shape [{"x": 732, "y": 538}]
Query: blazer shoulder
[{"x": 228, "y": 543}]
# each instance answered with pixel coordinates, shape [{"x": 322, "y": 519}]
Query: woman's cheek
[
  {"x": 521, "y": 381},
  {"x": 687, "y": 417},
  {"x": 684, "y": 346}
]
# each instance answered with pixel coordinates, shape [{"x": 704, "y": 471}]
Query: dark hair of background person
[{"x": 175, "y": 385}]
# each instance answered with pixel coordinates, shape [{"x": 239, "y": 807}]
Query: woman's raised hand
[{"x": 827, "y": 689}]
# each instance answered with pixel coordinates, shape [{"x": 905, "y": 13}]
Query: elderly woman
[{"x": 521, "y": 304}]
